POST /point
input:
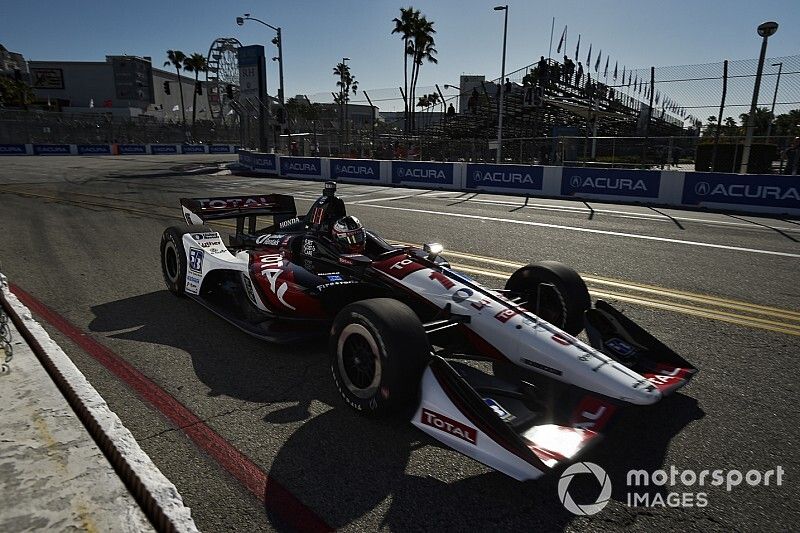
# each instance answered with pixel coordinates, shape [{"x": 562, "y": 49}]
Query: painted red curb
[{"x": 276, "y": 497}]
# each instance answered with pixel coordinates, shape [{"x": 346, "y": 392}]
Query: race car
[{"x": 411, "y": 336}]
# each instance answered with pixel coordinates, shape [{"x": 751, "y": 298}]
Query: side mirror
[{"x": 433, "y": 249}]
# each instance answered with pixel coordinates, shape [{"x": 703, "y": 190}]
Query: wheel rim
[
  {"x": 171, "y": 262},
  {"x": 359, "y": 361}
]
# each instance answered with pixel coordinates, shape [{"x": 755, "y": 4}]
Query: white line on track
[{"x": 586, "y": 230}]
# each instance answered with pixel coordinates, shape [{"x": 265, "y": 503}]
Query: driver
[{"x": 349, "y": 235}]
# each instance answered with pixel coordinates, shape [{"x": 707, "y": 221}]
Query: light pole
[
  {"x": 774, "y": 97},
  {"x": 502, "y": 85},
  {"x": 278, "y": 41},
  {"x": 765, "y": 29}
]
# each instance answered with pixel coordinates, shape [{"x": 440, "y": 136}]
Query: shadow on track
[{"x": 346, "y": 466}]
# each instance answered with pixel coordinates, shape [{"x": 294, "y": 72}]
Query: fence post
[
  {"x": 649, "y": 114},
  {"x": 721, "y": 110}
]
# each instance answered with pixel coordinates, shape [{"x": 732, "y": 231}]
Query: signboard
[
  {"x": 768, "y": 191},
  {"x": 94, "y": 149},
  {"x": 252, "y": 73},
  {"x": 422, "y": 173},
  {"x": 132, "y": 149},
  {"x": 525, "y": 177},
  {"x": 163, "y": 149},
  {"x": 363, "y": 169},
  {"x": 610, "y": 182},
  {"x": 133, "y": 79},
  {"x": 264, "y": 162},
  {"x": 51, "y": 149},
  {"x": 301, "y": 166},
  {"x": 219, "y": 149},
  {"x": 12, "y": 149},
  {"x": 47, "y": 78},
  {"x": 193, "y": 149}
]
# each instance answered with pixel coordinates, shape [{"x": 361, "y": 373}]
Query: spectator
[
  {"x": 472, "y": 102},
  {"x": 569, "y": 70},
  {"x": 580, "y": 75},
  {"x": 555, "y": 72},
  {"x": 451, "y": 110},
  {"x": 542, "y": 70},
  {"x": 509, "y": 86}
]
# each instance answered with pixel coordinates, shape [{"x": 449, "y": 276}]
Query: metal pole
[
  {"x": 649, "y": 113},
  {"x": 282, "y": 96},
  {"x": 550, "y": 50},
  {"x": 774, "y": 98},
  {"x": 372, "y": 108},
  {"x": 751, "y": 122},
  {"x": 721, "y": 110},
  {"x": 502, "y": 90}
]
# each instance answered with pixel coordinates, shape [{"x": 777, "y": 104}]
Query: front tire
[
  {"x": 554, "y": 292},
  {"x": 173, "y": 256},
  {"x": 378, "y": 351}
]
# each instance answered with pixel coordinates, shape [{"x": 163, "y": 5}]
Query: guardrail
[
  {"x": 751, "y": 193},
  {"x": 116, "y": 149}
]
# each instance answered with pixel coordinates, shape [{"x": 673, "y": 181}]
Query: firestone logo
[
  {"x": 703, "y": 188},
  {"x": 619, "y": 184},
  {"x": 420, "y": 173},
  {"x": 503, "y": 177}
]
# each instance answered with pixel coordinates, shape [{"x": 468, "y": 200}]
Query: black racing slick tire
[
  {"x": 378, "y": 352},
  {"x": 173, "y": 256},
  {"x": 554, "y": 292}
]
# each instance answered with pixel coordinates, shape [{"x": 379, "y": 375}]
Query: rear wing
[{"x": 200, "y": 210}]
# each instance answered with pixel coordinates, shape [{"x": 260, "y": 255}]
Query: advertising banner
[
  {"x": 193, "y": 149},
  {"x": 511, "y": 177},
  {"x": 219, "y": 149},
  {"x": 264, "y": 162},
  {"x": 745, "y": 189},
  {"x": 423, "y": 173},
  {"x": 301, "y": 167},
  {"x": 51, "y": 149},
  {"x": 132, "y": 149},
  {"x": 94, "y": 149},
  {"x": 363, "y": 169},
  {"x": 12, "y": 149},
  {"x": 163, "y": 149},
  {"x": 610, "y": 182}
]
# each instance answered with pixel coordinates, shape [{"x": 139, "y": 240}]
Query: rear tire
[
  {"x": 173, "y": 256},
  {"x": 564, "y": 305},
  {"x": 378, "y": 352}
]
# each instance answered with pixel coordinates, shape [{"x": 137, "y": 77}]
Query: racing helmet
[{"x": 349, "y": 235}]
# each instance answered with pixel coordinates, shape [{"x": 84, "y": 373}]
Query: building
[{"x": 126, "y": 86}]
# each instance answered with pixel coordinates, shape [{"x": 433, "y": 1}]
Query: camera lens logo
[
  {"x": 586, "y": 509},
  {"x": 702, "y": 188}
]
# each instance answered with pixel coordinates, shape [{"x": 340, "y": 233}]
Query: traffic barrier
[{"x": 735, "y": 192}]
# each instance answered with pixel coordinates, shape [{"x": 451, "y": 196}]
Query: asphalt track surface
[{"x": 255, "y": 436}]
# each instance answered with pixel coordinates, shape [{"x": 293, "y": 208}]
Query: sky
[{"x": 317, "y": 34}]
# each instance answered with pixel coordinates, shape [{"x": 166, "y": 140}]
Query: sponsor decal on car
[
  {"x": 504, "y": 315},
  {"x": 271, "y": 269},
  {"x": 289, "y": 222},
  {"x": 234, "y": 203},
  {"x": 333, "y": 277},
  {"x": 204, "y": 236},
  {"x": 450, "y": 426},
  {"x": 334, "y": 283},
  {"x": 540, "y": 366},
  {"x": 196, "y": 260},
  {"x": 499, "y": 410},
  {"x": 192, "y": 284},
  {"x": 269, "y": 239},
  {"x": 309, "y": 248}
]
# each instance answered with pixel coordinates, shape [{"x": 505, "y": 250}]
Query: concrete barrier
[{"x": 750, "y": 193}]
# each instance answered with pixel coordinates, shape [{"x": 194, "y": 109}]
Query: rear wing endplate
[{"x": 199, "y": 210}]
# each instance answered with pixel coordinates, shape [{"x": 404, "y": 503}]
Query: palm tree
[
  {"x": 195, "y": 63},
  {"x": 176, "y": 59},
  {"x": 405, "y": 27},
  {"x": 346, "y": 83},
  {"x": 762, "y": 117},
  {"x": 422, "y": 49}
]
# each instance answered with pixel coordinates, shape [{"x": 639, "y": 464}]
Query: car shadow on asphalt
[{"x": 346, "y": 466}]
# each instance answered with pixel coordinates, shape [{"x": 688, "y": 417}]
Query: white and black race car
[{"x": 409, "y": 335}]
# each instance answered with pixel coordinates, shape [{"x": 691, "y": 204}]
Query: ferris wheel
[{"x": 223, "y": 71}]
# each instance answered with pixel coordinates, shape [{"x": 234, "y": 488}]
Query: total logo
[
  {"x": 305, "y": 168},
  {"x": 618, "y": 184},
  {"x": 355, "y": 170},
  {"x": 421, "y": 173},
  {"x": 734, "y": 190},
  {"x": 503, "y": 177}
]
